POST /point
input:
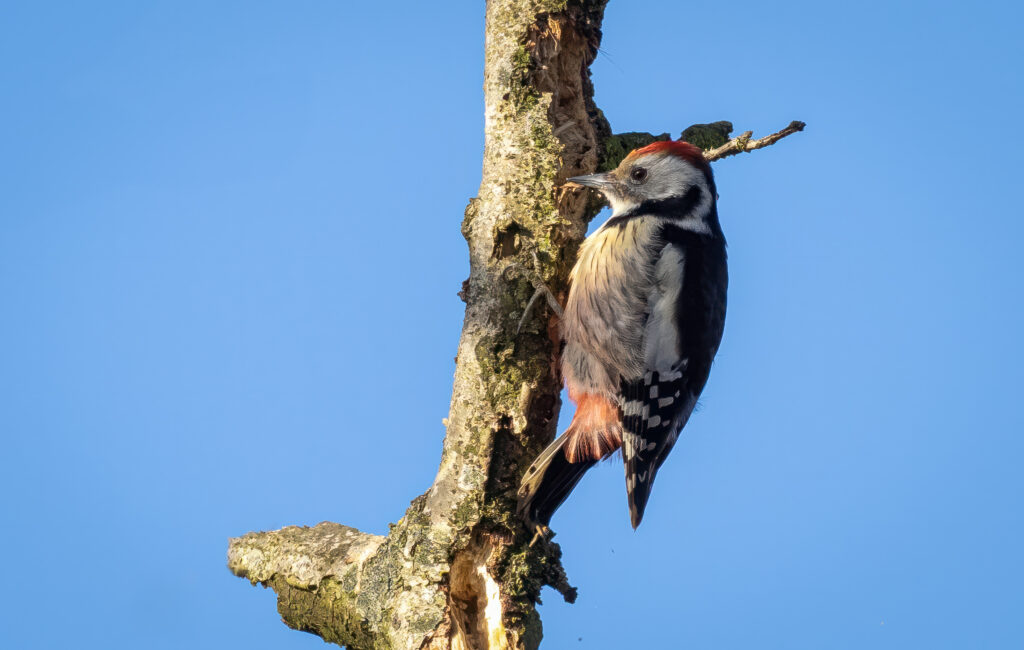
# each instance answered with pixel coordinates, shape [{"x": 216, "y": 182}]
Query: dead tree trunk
[{"x": 457, "y": 571}]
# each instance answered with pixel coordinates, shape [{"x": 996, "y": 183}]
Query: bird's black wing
[{"x": 684, "y": 328}]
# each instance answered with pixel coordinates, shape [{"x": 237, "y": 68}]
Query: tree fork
[{"x": 457, "y": 571}]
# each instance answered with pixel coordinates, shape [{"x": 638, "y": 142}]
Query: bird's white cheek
[{"x": 619, "y": 205}]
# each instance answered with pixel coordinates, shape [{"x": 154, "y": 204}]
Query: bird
[{"x": 640, "y": 328}]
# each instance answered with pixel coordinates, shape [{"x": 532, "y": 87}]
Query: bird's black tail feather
[
  {"x": 639, "y": 480},
  {"x": 650, "y": 426},
  {"x": 548, "y": 482}
]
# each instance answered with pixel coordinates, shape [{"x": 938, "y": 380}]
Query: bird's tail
[
  {"x": 650, "y": 427},
  {"x": 640, "y": 471},
  {"x": 595, "y": 433},
  {"x": 549, "y": 480}
]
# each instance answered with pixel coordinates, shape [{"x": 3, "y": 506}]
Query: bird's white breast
[
  {"x": 605, "y": 313},
  {"x": 661, "y": 333}
]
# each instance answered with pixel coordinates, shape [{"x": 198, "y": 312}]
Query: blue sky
[{"x": 225, "y": 226}]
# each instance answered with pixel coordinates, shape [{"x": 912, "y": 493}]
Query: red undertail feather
[{"x": 595, "y": 431}]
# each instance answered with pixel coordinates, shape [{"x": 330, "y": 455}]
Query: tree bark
[{"x": 458, "y": 571}]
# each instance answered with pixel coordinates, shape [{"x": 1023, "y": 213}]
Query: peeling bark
[{"x": 457, "y": 571}]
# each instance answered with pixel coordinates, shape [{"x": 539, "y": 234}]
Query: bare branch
[
  {"x": 713, "y": 138},
  {"x": 742, "y": 143},
  {"x": 458, "y": 571}
]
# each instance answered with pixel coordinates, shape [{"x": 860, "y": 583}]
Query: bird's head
[{"x": 661, "y": 174}]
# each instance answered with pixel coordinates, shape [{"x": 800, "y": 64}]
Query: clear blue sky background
[{"x": 226, "y": 227}]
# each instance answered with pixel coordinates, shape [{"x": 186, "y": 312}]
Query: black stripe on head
[{"x": 674, "y": 206}]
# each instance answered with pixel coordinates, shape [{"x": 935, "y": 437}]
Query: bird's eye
[{"x": 638, "y": 174}]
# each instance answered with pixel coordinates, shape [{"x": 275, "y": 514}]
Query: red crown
[{"x": 688, "y": 152}]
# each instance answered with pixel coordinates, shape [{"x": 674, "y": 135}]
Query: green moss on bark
[
  {"x": 618, "y": 146},
  {"x": 707, "y": 136}
]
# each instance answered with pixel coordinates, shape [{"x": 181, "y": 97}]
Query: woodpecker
[{"x": 641, "y": 326}]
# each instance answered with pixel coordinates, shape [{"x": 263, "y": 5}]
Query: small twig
[
  {"x": 743, "y": 143},
  {"x": 713, "y": 138}
]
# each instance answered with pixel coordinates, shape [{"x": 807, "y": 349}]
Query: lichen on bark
[{"x": 458, "y": 568}]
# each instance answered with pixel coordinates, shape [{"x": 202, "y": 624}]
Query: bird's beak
[{"x": 596, "y": 181}]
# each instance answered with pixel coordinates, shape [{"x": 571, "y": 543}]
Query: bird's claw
[
  {"x": 540, "y": 289},
  {"x": 540, "y": 532}
]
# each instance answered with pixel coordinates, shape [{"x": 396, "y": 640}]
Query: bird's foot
[
  {"x": 540, "y": 532},
  {"x": 540, "y": 290}
]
